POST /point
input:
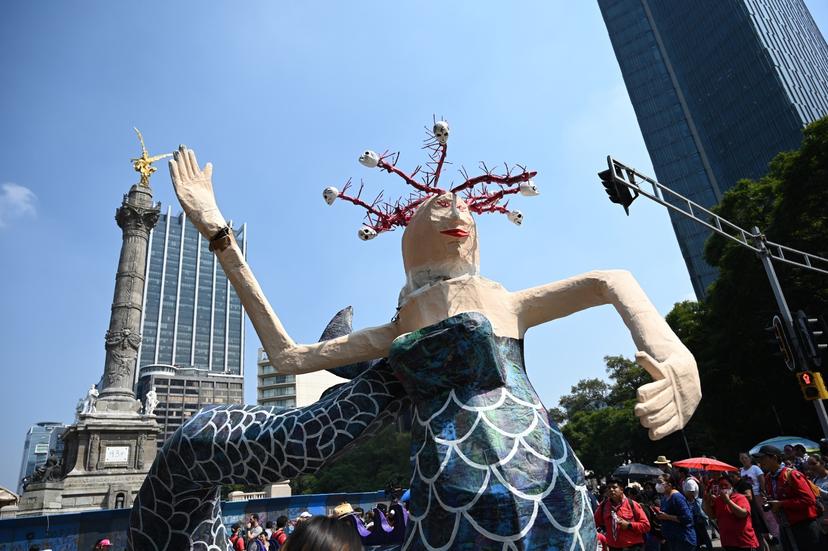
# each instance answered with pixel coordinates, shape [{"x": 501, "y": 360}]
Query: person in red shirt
[
  {"x": 732, "y": 513},
  {"x": 791, "y": 499},
  {"x": 623, "y": 520},
  {"x": 236, "y": 538}
]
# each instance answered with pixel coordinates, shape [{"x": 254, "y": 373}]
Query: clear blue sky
[{"x": 282, "y": 97}]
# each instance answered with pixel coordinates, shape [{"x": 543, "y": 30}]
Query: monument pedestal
[{"x": 106, "y": 458}]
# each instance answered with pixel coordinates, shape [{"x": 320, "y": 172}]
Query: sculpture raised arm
[
  {"x": 194, "y": 188},
  {"x": 665, "y": 405}
]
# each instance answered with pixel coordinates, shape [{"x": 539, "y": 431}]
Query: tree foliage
[
  {"x": 598, "y": 421},
  {"x": 368, "y": 466},
  {"x": 748, "y": 395}
]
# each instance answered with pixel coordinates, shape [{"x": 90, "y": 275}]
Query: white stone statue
[
  {"x": 150, "y": 402},
  {"x": 91, "y": 399}
]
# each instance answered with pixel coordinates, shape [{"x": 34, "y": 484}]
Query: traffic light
[
  {"x": 780, "y": 338},
  {"x": 812, "y": 333},
  {"x": 812, "y": 386},
  {"x": 618, "y": 192}
]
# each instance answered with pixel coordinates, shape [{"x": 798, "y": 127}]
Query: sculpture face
[{"x": 441, "y": 234}]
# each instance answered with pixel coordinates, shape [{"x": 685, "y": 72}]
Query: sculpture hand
[
  {"x": 665, "y": 405},
  {"x": 194, "y": 188}
]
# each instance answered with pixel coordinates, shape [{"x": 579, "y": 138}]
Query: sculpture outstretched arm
[
  {"x": 665, "y": 405},
  {"x": 194, "y": 189}
]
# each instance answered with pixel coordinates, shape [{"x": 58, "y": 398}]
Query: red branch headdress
[{"x": 491, "y": 187}]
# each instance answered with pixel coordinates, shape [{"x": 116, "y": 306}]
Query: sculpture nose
[{"x": 455, "y": 213}]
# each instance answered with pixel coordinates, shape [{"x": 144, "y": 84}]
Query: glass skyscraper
[
  {"x": 192, "y": 316},
  {"x": 719, "y": 87},
  {"x": 192, "y": 349}
]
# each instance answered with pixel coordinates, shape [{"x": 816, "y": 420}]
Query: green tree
[{"x": 368, "y": 466}]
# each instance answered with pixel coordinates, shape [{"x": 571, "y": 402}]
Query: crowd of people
[
  {"x": 777, "y": 497},
  {"x": 347, "y": 529}
]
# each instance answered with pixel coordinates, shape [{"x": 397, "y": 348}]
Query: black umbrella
[{"x": 637, "y": 470}]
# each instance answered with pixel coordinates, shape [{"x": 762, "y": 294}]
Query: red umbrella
[{"x": 704, "y": 464}]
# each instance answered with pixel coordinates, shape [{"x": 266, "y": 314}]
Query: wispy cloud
[{"x": 16, "y": 201}]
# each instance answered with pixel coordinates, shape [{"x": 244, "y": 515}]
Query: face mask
[{"x": 660, "y": 488}]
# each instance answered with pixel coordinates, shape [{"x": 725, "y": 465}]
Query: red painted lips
[{"x": 456, "y": 232}]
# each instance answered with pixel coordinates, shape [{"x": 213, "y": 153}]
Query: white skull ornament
[
  {"x": 369, "y": 158},
  {"x": 329, "y": 194},
  {"x": 441, "y": 131},
  {"x": 366, "y": 234},
  {"x": 515, "y": 217},
  {"x": 529, "y": 189}
]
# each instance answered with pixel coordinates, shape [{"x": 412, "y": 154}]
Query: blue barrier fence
[{"x": 80, "y": 531}]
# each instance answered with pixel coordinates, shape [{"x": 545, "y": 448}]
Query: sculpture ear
[{"x": 342, "y": 324}]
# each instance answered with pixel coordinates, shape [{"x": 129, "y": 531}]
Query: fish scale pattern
[
  {"x": 178, "y": 505},
  {"x": 490, "y": 469}
]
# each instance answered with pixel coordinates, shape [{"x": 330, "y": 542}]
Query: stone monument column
[
  {"x": 109, "y": 448},
  {"x": 136, "y": 217}
]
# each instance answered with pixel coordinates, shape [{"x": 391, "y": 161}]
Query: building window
[{"x": 119, "y": 501}]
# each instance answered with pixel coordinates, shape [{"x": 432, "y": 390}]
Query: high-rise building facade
[
  {"x": 719, "y": 87},
  {"x": 276, "y": 389},
  {"x": 192, "y": 316},
  {"x": 192, "y": 351},
  {"x": 41, "y": 438},
  {"x": 181, "y": 392}
]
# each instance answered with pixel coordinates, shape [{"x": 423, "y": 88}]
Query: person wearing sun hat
[
  {"x": 664, "y": 464},
  {"x": 343, "y": 510}
]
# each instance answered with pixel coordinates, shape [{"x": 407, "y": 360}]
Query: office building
[
  {"x": 40, "y": 439},
  {"x": 192, "y": 350},
  {"x": 192, "y": 317},
  {"x": 719, "y": 87},
  {"x": 181, "y": 392},
  {"x": 275, "y": 389}
]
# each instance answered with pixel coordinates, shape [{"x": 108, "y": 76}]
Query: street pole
[{"x": 765, "y": 256}]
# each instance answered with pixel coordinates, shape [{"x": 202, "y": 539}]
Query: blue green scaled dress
[{"x": 491, "y": 470}]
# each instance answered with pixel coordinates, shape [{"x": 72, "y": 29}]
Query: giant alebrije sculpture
[{"x": 490, "y": 469}]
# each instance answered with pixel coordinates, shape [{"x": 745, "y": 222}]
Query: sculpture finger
[
  {"x": 650, "y": 365},
  {"x": 193, "y": 162},
  {"x": 650, "y": 390},
  {"x": 659, "y": 418},
  {"x": 174, "y": 174},
  {"x": 656, "y": 403},
  {"x": 671, "y": 426},
  {"x": 208, "y": 170},
  {"x": 183, "y": 159}
]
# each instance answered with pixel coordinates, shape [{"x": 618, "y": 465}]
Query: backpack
[
  {"x": 634, "y": 505},
  {"x": 273, "y": 542},
  {"x": 786, "y": 477}
]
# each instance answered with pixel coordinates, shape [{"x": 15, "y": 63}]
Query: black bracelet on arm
[{"x": 221, "y": 240}]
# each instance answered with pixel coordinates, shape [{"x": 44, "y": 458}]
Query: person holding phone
[{"x": 731, "y": 510}]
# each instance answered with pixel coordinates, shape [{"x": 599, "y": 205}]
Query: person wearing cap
[
  {"x": 790, "y": 498},
  {"x": 664, "y": 464},
  {"x": 103, "y": 544}
]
